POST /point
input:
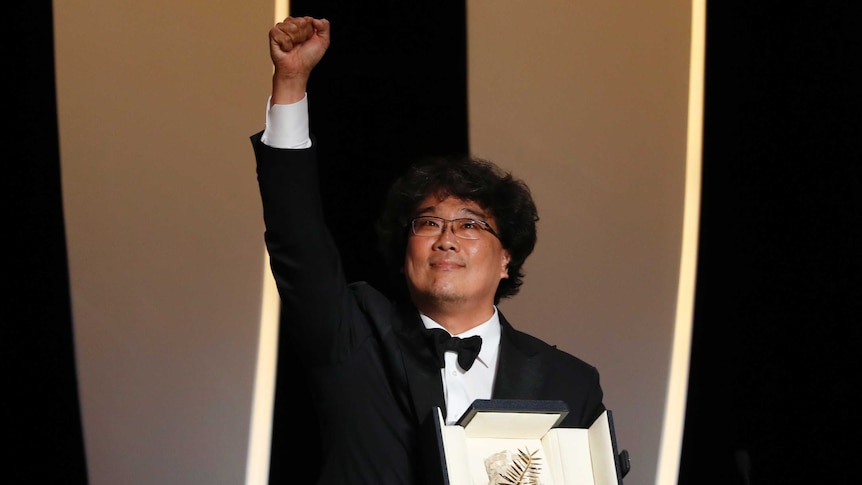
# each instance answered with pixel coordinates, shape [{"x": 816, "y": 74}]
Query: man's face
[{"x": 447, "y": 269}]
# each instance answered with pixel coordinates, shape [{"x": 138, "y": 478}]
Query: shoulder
[
  {"x": 382, "y": 312},
  {"x": 535, "y": 347},
  {"x": 556, "y": 374},
  {"x": 368, "y": 295}
]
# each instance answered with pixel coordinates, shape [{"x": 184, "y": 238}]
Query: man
[{"x": 457, "y": 232}]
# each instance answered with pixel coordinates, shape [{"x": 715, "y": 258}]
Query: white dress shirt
[{"x": 460, "y": 387}]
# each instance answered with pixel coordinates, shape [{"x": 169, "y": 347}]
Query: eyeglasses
[{"x": 431, "y": 226}]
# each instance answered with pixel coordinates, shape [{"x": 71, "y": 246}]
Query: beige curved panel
[
  {"x": 155, "y": 104},
  {"x": 594, "y": 104}
]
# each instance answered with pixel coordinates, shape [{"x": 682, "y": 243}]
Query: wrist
[{"x": 288, "y": 89}]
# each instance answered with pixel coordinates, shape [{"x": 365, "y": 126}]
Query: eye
[
  {"x": 468, "y": 224},
  {"x": 427, "y": 222}
]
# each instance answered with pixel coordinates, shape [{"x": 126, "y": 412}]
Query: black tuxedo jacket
[{"x": 373, "y": 379}]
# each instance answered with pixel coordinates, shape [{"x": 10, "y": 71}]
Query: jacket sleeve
[{"x": 318, "y": 310}]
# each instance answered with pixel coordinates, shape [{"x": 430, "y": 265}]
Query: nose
[{"x": 447, "y": 239}]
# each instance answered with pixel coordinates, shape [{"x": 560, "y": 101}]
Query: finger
[
  {"x": 290, "y": 33},
  {"x": 278, "y": 37},
  {"x": 321, "y": 28},
  {"x": 284, "y": 36}
]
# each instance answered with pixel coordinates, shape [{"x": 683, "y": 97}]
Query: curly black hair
[{"x": 507, "y": 198}]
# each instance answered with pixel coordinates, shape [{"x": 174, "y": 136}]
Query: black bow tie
[{"x": 467, "y": 348}]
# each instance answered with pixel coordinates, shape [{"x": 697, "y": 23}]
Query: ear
[{"x": 504, "y": 264}]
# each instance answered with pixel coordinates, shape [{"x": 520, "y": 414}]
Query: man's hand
[{"x": 296, "y": 45}]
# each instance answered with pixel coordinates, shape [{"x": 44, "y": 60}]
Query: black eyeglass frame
[{"x": 482, "y": 224}]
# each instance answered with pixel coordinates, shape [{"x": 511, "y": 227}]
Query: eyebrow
[{"x": 468, "y": 211}]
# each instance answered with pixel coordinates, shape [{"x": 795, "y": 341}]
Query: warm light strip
[
  {"x": 674, "y": 414},
  {"x": 282, "y": 9},
  {"x": 260, "y": 429},
  {"x": 260, "y": 434}
]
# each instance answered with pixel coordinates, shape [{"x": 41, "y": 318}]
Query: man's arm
[{"x": 316, "y": 302}]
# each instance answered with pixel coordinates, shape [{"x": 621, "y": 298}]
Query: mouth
[{"x": 446, "y": 265}]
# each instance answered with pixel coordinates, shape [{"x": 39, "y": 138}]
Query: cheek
[{"x": 412, "y": 254}]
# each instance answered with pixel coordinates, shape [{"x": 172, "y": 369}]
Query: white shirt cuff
[{"x": 287, "y": 125}]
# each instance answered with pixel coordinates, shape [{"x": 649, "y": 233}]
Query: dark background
[
  {"x": 779, "y": 280},
  {"x": 778, "y": 285},
  {"x": 42, "y": 430}
]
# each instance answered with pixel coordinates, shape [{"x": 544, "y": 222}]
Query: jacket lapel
[
  {"x": 420, "y": 365},
  {"x": 519, "y": 372},
  {"x": 418, "y": 385}
]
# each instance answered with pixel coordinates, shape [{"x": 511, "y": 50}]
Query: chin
[
  {"x": 441, "y": 295},
  {"x": 447, "y": 297}
]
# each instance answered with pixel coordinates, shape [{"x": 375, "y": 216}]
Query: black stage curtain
[
  {"x": 778, "y": 285},
  {"x": 392, "y": 88},
  {"x": 43, "y": 434}
]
